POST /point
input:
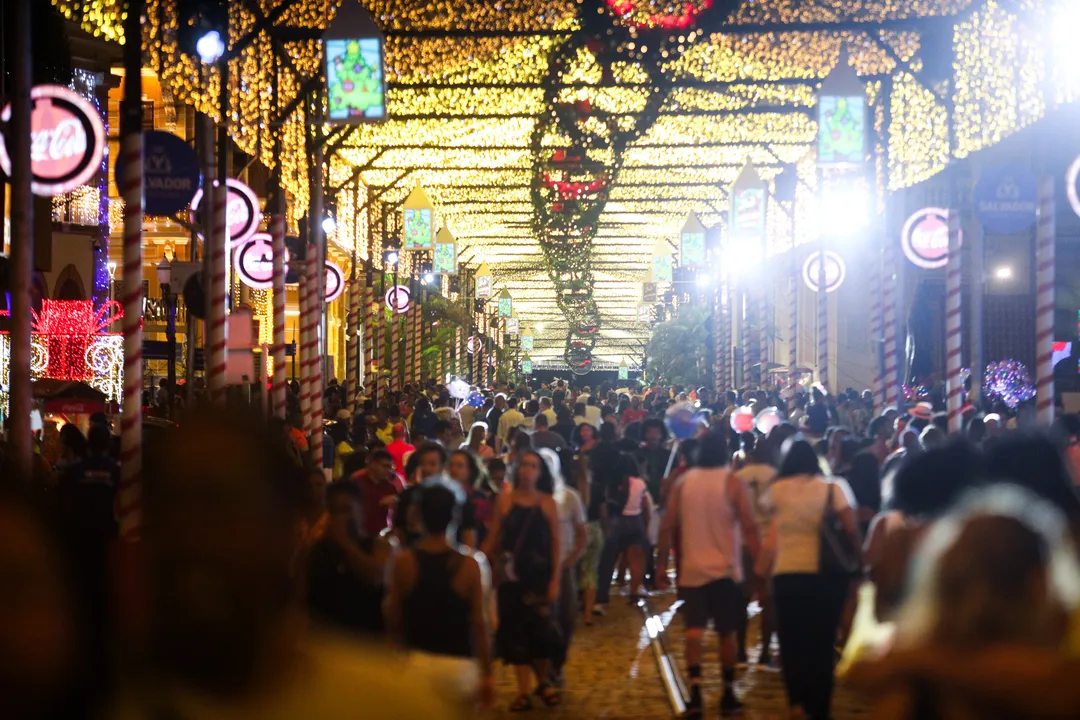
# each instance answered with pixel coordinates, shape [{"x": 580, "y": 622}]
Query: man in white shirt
[
  {"x": 709, "y": 508},
  {"x": 548, "y": 411},
  {"x": 512, "y": 418},
  {"x": 593, "y": 416}
]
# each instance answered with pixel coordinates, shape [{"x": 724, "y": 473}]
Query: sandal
[
  {"x": 549, "y": 695},
  {"x": 521, "y": 704}
]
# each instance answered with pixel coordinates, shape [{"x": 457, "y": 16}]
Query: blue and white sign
[
  {"x": 1006, "y": 197},
  {"x": 171, "y": 174}
]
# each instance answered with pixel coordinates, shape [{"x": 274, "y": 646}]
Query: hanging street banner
[
  {"x": 67, "y": 140},
  {"x": 170, "y": 171},
  {"x": 1005, "y": 199}
]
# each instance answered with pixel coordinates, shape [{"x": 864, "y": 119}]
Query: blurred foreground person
[
  {"x": 42, "y": 657},
  {"x": 983, "y": 630},
  {"x": 436, "y": 603},
  {"x": 214, "y": 627}
]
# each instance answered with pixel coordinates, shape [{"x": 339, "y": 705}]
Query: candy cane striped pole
[
  {"x": 216, "y": 313},
  {"x": 729, "y": 360},
  {"x": 889, "y": 293},
  {"x": 718, "y": 333},
  {"x": 954, "y": 383},
  {"x": 316, "y": 303},
  {"x": 352, "y": 341},
  {"x": 277, "y": 238},
  {"x": 368, "y": 345},
  {"x": 395, "y": 348},
  {"x": 744, "y": 338},
  {"x": 418, "y": 343},
  {"x": 458, "y": 352},
  {"x": 1046, "y": 237},
  {"x": 876, "y": 327},
  {"x": 793, "y": 326},
  {"x": 379, "y": 352},
  {"x": 130, "y": 490},
  {"x": 823, "y": 321},
  {"x": 304, "y": 347},
  {"x": 763, "y": 336}
]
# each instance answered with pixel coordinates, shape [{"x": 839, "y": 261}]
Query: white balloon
[
  {"x": 767, "y": 419},
  {"x": 459, "y": 389}
]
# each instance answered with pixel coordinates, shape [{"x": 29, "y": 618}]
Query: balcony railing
[{"x": 156, "y": 311}]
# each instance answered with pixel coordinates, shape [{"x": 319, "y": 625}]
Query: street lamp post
[{"x": 164, "y": 273}]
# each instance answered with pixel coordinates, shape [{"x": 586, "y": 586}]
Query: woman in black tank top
[{"x": 437, "y": 591}]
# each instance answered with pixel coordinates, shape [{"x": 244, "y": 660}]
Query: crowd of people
[{"x": 462, "y": 534}]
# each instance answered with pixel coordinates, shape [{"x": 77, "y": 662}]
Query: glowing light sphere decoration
[
  {"x": 835, "y": 271},
  {"x": 925, "y": 238},
  {"x": 692, "y": 243},
  {"x": 398, "y": 299},
  {"x": 1008, "y": 381},
  {"x": 353, "y": 65},
  {"x": 67, "y": 140},
  {"x": 419, "y": 222}
]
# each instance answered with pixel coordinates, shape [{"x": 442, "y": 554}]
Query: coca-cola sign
[
  {"x": 242, "y": 213},
  {"x": 925, "y": 239},
  {"x": 254, "y": 261},
  {"x": 67, "y": 140}
]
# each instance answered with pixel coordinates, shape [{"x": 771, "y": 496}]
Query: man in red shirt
[
  {"x": 379, "y": 487},
  {"x": 398, "y": 449}
]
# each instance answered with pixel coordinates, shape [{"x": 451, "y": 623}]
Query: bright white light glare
[
  {"x": 539, "y": 327},
  {"x": 392, "y": 258},
  {"x": 1063, "y": 22},
  {"x": 210, "y": 47},
  {"x": 741, "y": 256},
  {"x": 1003, "y": 273},
  {"x": 329, "y": 225},
  {"x": 704, "y": 281},
  {"x": 844, "y": 210},
  {"x": 429, "y": 278}
]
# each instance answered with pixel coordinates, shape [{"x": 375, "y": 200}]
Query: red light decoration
[
  {"x": 668, "y": 21},
  {"x": 67, "y": 329}
]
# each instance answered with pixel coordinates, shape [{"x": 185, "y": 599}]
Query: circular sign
[
  {"x": 473, "y": 343},
  {"x": 1006, "y": 198},
  {"x": 67, "y": 140},
  {"x": 1070, "y": 185},
  {"x": 335, "y": 282},
  {"x": 399, "y": 299},
  {"x": 242, "y": 213},
  {"x": 835, "y": 271},
  {"x": 253, "y": 261},
  {"x": 171, "y": 173},
  {"x": 925, "y": 238}
]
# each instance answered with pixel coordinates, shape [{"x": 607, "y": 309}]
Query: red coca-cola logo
[
  {"x": 67, "y": 140},
  {"x": 925, "y": 239},
  {"x": 254, "y": 261},
  {"x": 242, "y": 213}
]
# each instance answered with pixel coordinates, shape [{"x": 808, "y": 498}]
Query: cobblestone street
[{"x": 611, "y": 674}]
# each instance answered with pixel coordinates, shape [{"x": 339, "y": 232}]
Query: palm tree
[{"x": 680, "y": 350}]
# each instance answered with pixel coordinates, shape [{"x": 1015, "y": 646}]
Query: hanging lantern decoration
[
  {"x": 661, "y": 263},
  {"x": 624, "y": 370},
  {"x": 444, "y": 259},
  {"x": 692, "y": 243},
  {"x": 353, "y": 67},
  {"x": 526, "y": 364},
  {"x": 749, "y": 199},
  {"x": 513, "y": 325},
  {"x": 644, "y": 313},
  {"x": 483, "y": 281},
  {"x": 841, "y": 110},
  {"x": 527, "y": 339},
  {"x": 506, "y": 304},
  {"x": 419, "y": 222}
]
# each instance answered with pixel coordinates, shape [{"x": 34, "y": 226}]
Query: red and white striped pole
[
  {"x": 131, "y": 157},
  {"x": 719, "y": 371},
  {"x": 314, "y": 361},
  {"x": 763, "y": 336},
  {"x": 876, "y": 327},
  {"x": 744, "y": 337},
  {"x": 307, "y": 343},
  {"x": 729, "y": 360},
  {"x": 395, "y": 349},
  {"x": 277, "y": 238},
  {"x": 793, "y": 325},
  {"x": 411, "y": 349},
  {"x": 368, "y": 346},
  {"x": 458, "y": 352},
  {"x": 954, "y": 382},
  {"x": 1045, "y": 239},
  {"x": 352, "y": 335},
  {"x": 823, "y": 321},
  {"x": 889, "y": 295},
  {"x": 418, "y": 342}
]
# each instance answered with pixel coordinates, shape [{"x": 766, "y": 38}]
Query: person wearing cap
[{"x": 338, "y": 432}]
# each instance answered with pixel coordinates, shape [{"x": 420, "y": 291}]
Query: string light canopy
[{"x": 563, "y": 139}]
